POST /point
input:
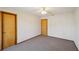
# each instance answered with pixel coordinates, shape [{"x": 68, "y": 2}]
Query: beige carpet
[{"x": 43, "y": 43}]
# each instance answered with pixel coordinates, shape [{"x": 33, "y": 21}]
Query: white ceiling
[
  {"x": 37, "y": 10},
  {"x": 55, "y": 10}
]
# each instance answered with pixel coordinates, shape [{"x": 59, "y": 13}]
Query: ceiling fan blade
[
  {"x": 50, "y": 13},
  {"x": 45, "y": 11},
  {"x": 43, "y": 8}
]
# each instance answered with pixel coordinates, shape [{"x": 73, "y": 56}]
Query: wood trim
[
  {"x": 2, "y": 31},
  {"x": 47, "y": 27},
  {"x": 8, "y": 13},
  {"x": 15, "y": 27}
]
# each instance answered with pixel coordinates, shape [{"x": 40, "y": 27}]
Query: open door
[{"x": 44, "y": 27}]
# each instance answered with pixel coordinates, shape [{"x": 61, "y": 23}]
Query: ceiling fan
[{"x": 44, "y": 11}]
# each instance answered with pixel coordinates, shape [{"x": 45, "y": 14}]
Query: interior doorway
[{"x": 44, "y": 27}]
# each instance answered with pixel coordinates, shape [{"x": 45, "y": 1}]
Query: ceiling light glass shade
[{"x": 43, "y": 12}]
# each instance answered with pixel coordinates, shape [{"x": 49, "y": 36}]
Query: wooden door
[
  {"x": 9, "y": 30},
  {"x": 44, "y": 25}
]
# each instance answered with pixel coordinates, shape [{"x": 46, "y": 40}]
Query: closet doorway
[{"x": 44, "y": 27}]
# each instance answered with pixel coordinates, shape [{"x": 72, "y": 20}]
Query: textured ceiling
[
  {"x": 55, "y": 10},
  {"x": 37, "y": 10}
]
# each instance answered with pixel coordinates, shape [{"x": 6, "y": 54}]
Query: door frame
[
  {"x": 46, "y": 27},
  {"x": 3, "y": 28}
]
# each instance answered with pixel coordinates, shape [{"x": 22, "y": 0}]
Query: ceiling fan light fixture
[{"x": 43, "y": 12}]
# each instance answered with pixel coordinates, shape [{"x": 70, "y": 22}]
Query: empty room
[{"x": 39, "y": 28}]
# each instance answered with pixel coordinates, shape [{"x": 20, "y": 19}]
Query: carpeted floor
[{"x": 43, "y": 43}]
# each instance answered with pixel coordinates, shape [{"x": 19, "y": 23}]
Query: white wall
[
  {"x": 62, "y": 26},
  {"x": 77, "y": 27},
  {"x": 28, "y": 25}
]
